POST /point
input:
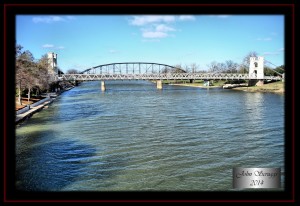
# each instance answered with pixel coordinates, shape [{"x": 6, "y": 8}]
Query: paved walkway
[{"x": 31, "y": 111}]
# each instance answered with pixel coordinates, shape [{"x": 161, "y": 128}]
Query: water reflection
[
  {"x": 254, "y": 106},
  {"x": 135, "y": 137},
  {"x": 51, "y": 166}
]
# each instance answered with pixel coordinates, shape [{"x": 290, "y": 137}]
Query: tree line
[
  {"x": 31, "y": 75},
  {"x": 34, "y": 75},
  {"x": 228, "y": 66}
]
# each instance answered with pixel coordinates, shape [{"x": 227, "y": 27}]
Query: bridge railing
[{"x": 163, "y": 76}]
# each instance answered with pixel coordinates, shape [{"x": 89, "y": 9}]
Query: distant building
[
  {"x": 256, "y": 71},
  {"x": 256, "y": 68},
  {"x": 52, "y": 59}
]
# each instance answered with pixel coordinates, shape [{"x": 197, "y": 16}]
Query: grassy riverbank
[
  {"x": 35, "y": 99},
  {"x": 277, "y": 87},
  {"x": 198, "y": 83},
  {"x": 25, "y": 102}
]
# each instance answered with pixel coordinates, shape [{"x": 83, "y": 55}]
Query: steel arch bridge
[{"x": 151, "y": 71}]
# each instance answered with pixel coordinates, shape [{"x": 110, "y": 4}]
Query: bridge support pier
[
  {"x": 260, "y": 82},
  {"x": 254, "y": 82},
  {"x": 159, "y": 84},
  {"x": 103, "y": 88}
]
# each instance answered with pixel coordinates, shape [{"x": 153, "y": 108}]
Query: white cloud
[
  {"x": 51, "y": 19},
  {"x": 157, "y": 31},
  {"x": 163, "y": 28},
  {"x": 264, "y": 39},
  {"x": 60, "y": 47},
  {"x": 70, "y": 17},
  {"x": 158, "y": 26},
  {"x": 222, "y": 16},
  {"x": 51, "y": 46},
  {"x": 186, "y": 18},
  {"x": 48, "y": 19},
  {"x": 147, "y": 19},
  {"x": 277, "y": 52},
  {"x": 48, "y": 46}
]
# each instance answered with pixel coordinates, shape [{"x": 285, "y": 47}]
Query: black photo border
[{"x": 13, "y": 195}]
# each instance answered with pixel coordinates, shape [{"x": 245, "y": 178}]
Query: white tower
[
  {"x": 256, "y": 68},
  {"x": 52, "y": 59}
]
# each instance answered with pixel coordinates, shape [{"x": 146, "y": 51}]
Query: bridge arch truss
[
  {"x": 150, "y": 71},
  {"x": 130, "y": 68}
]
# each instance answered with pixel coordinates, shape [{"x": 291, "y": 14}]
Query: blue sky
[{"x": 83, "y": 41}]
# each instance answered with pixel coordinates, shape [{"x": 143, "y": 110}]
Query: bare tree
[
  {"x": 186, "y": 68},
  {"x": 73, "y": 71},
  {"x": 246, "y": 59},
  {"x": 178, "y": 69},
  {"x": 194, "y": 67},
  {"x": 31, "y": 81},
  {"x": 221, "y": 67},
  {"x": 231, "y": 66},
  {"x": 213, "y": 67},
  {"x": 244, "y": 67},
  {"x": 19, "y": 71},
  {"x": 43, "y": 73},
  {"x": 25, "y": 67}
]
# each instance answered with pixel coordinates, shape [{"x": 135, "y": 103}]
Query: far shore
[
  {"x": 195, "y": 85},
  {"x": 42, "y": 102},
  {"x": 260, "y": 89},
  {"x": 275, "y": 87}
]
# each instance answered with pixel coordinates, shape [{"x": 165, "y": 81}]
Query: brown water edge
[
  {"x": 25, "y": 102},
  {"x": 195, "y": 85},
  {"x": 276, "y": 87}
]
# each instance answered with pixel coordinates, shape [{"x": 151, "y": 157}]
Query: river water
[{"x": 134, "y": 137}]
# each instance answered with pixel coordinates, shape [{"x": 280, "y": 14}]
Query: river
[{"x": 134, "y": 137}]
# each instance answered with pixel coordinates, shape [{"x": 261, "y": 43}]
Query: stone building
[
  {"x": 256, "y": 70},
  {"x": 52, "y": 59},
  {"x": 256, "y": 67}
]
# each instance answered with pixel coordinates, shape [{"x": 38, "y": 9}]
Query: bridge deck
[{"x": 163, "y": 76}]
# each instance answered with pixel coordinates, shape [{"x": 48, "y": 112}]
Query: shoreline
[
  {"x": 198, "y": 86},
  {"x": 31, "y": 111},
  {"x": 257, "y": 89},
  {"x": 38, "y": 106},
  {"x": 265, "y": 88}
]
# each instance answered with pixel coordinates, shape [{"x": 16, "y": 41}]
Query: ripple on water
[{"x": 134, "y": 137}]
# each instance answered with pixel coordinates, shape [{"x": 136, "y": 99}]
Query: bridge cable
[{"x": 273, "y": 69}]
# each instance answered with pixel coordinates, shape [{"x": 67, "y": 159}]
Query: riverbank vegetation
[
  {"x": 277, "y": 87},
  {"x": 34, "y": 77},
  {"x": 227, "y": 66},
  {"x": 231, "y": 67},
  {"x": 195, "y": 83}
]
